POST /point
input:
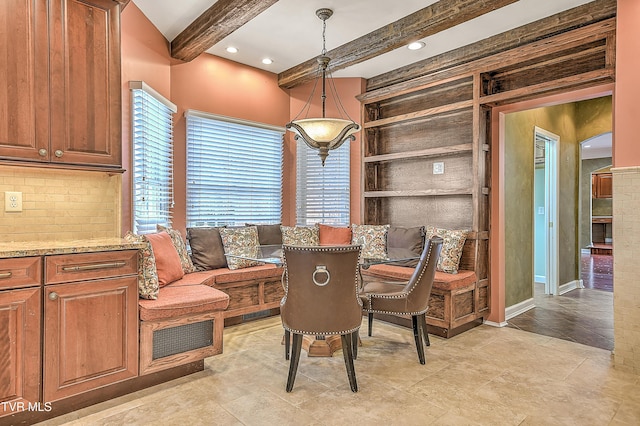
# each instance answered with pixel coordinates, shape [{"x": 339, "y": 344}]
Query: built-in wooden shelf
[
  {"x": 418, "y": 193},
  {"x": 430, "y": 152},
  {"x": 420, "y": 114}
]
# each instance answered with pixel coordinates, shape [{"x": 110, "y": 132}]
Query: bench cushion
[
  {"x": 176, "y": 301},
  {"x": 200, "y": 277},
  {"x": 260, "y": 272},
  {"x": 442, "y": 280}
]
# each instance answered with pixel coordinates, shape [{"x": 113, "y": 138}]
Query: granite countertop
[{"x": 40, "y": 248}]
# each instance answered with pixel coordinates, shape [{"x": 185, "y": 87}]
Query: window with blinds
[
  {"x": 234, "y": 171},
  {"x": 152, "y": 159},
  {"x": 322, "y": 193}
]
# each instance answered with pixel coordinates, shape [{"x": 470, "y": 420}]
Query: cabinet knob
[
  {"x": 58, "y": 153},
  {"x": 42, "y": 152},
  {"x": 53, "y": 295}
]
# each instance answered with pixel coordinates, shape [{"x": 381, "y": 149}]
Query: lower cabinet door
[
  {"x": 90, "y": 335},
  {"x": 19, "y": 350}
]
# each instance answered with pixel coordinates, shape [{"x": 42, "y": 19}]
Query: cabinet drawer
[
  {"x": 20, "y": 272},
  {"x": 66, "y": 268}
]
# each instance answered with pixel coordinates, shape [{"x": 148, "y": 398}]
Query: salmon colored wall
[
  {"x": 145, "y": 57},
  {"x": 219, "y": 86},
  {"x": 626, "y": 142},
  {"x": 347, "y": 89}
]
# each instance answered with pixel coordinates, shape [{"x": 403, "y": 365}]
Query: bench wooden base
[{"x": 206, "y": 344}]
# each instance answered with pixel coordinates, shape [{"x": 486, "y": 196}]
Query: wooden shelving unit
[{"x": 444, "y": 116}]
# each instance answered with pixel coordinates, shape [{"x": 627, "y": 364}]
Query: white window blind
[
  {"x": 322, "y": 193},
  {"x": 152, "y": 128},
  {"x": 234, "y": 171}
]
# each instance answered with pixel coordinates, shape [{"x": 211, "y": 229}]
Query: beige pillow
[
  {"x": 148, "y": 285},
  {"x": 372, "y": 238},
  {"x": 300, "y": 235},
  {"x": 242, "y": 242},
  {"x": 452, "y": 244}
]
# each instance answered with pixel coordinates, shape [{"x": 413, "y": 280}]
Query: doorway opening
[{"x": 546, "y": 209}]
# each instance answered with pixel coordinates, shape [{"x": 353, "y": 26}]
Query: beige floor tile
[{"x": 485, "y": 376}]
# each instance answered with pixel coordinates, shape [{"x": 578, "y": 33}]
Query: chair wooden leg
[
  {"x": 417, "y": 334},
  {"x": 295, "y": 359},
  {"x": 370, "y": 323},
  {"x": 423, "y": 322},
  {"x": 287, "y": 344},
  {"x": 354, "y": 343},
  {"x": 348, "y": 361}
]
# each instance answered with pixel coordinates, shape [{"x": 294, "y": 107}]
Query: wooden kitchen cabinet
[
  {"x": 602, "y": 185},
  {"x": 90, "y": 321},
  {"x": 20, "y": 314},
  {"x": 63, "y": 92}
]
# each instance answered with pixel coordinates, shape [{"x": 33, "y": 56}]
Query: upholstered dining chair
[
  {"x": 410, "y": 298},
  {"x": 321, "y": 299}
]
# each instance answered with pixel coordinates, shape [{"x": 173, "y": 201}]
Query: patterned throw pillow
[
  {"x": 181, "y": 248},
  {"x": 148, "y": 286},
  {"x": 452, "y": 244},
  {"x": 372, "y": 238},
  {"x": 300, "y": 235},
  {"x": 241, "y": 242}
]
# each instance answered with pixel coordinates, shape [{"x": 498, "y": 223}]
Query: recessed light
[
  {"x": 416, "y": 45},
  {"x": 232, "y": 49},
  {"x": 587, "y": 146},
  {"x": 267, "y": 61}
]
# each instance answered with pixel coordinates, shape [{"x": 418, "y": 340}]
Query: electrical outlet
[
  {"x": 438, "y": 168},
  {"x": 12, "y": 201}
]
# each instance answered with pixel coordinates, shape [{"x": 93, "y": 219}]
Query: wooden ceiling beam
[
  {"x": 432, "y": 19},
  {"x": 579, "y": 16},
  {"x": 217, "y": 22}
]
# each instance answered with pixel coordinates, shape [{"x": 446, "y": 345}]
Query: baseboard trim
[
  {"x": 566, "y": 288},
  {"x": 496, "y": 324},
  {"x": 540, "y": 279},
  {"x": 518, "y": 308}
]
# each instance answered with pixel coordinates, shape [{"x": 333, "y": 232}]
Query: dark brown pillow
[
  {"x": 268, "y": 234},
  {"x": 405, "y": 242},
  {"x": 207, "y": 251}
]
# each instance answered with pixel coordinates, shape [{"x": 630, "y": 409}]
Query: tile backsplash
[
  {"x": 626, "y": 251},
  {"x": 60, "y": 204}
]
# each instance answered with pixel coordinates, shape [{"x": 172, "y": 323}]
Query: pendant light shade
[{"x": 324, "y": 133}]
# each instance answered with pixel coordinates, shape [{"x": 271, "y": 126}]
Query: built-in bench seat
[
  {"x": 185, "y": 323},
  {"x": 458, "y": 300}
]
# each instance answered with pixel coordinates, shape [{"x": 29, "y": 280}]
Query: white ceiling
[
  {"x": 597, "y": 147},
  {"x": 290, "y": 33}
]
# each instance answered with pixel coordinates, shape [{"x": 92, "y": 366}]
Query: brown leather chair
[
  {"x": 410, "y": 298},
  {"x": 321, "y": 298}
]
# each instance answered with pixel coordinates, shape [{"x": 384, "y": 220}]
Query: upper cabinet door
[
  {"x": 24, "y": 125},
  {"x": 85, "y": 82}
]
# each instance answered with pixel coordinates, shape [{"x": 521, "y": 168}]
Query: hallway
[{"x": 583, "y": 315}]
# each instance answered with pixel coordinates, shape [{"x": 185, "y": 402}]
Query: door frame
[{"x": 551, "y": 188}]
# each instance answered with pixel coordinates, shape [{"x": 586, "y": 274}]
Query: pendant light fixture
[{"x": 324, "y": 133}]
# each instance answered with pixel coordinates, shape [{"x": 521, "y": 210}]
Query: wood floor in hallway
[{"x": 582, "y": 315}]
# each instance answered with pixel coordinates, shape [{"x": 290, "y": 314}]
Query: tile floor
[{"x": 485, "y": 376}]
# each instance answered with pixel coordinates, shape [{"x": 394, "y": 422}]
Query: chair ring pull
[{"x": 322, "y": 269}]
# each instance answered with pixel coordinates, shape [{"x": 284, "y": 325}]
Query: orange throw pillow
[
  {"x": 167, "y": 259},
  {"x": 332, "y": 235}
]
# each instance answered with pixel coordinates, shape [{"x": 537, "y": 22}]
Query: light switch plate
[
  {"x": 12, "y": 201},
  {"x": 438, "y": 168}
]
